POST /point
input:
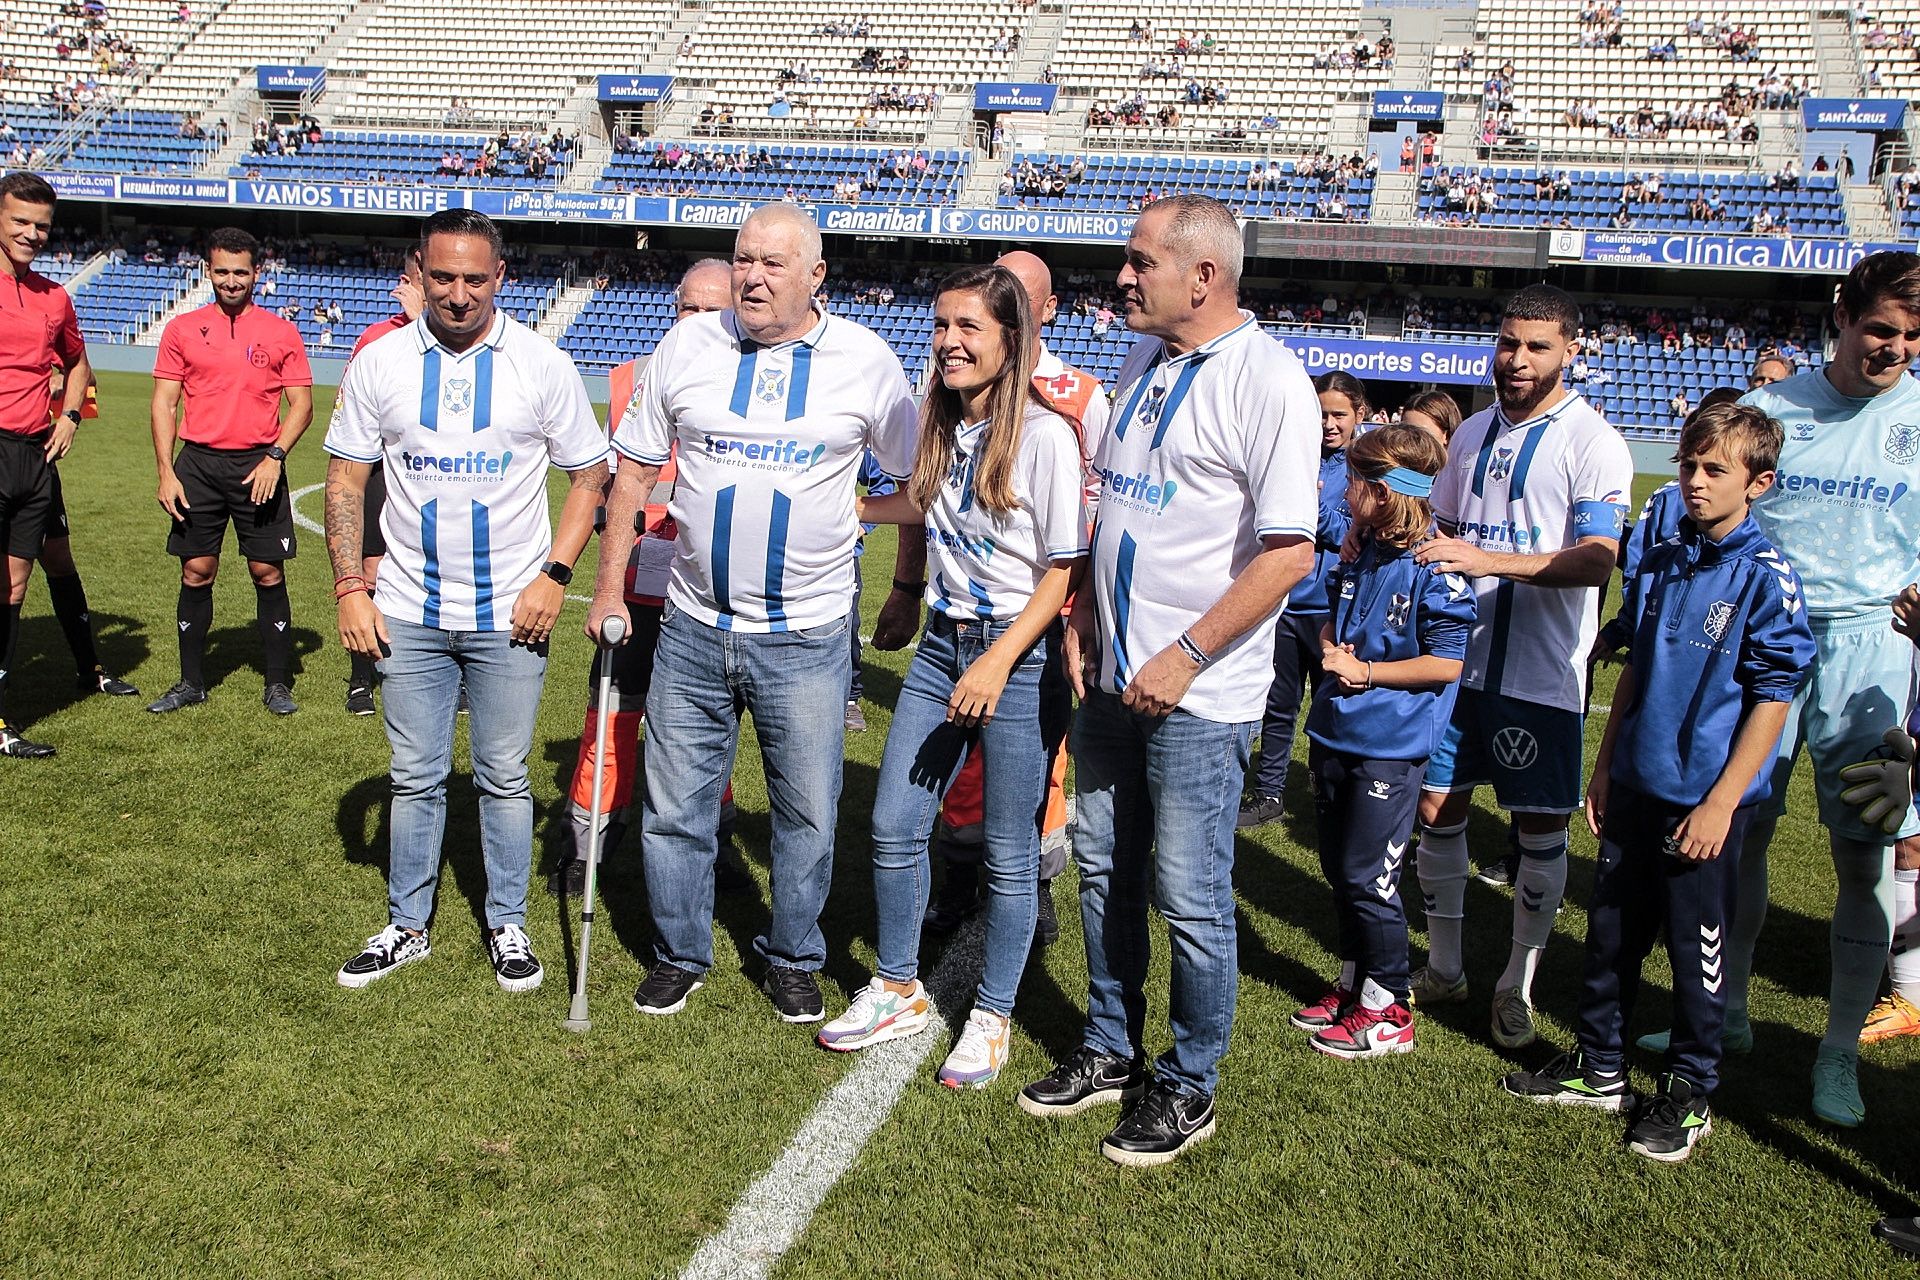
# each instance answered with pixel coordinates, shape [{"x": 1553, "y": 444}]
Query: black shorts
[
  {"x": 372, "y": 541},
  {"x": 57, "y": 520},
  {"x": 27, "y": 492},
  {"x": 215, "y": 481}
]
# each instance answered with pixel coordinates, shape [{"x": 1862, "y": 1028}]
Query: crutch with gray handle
[{"x": 612, "y": 631}]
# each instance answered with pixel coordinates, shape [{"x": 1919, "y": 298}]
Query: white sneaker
[
  {"x": 514, "y": 964},
  {"x": 876, "y": 1016},
  {"x": 980, "y": 1053},
  {"x": 386, "y": 951}
]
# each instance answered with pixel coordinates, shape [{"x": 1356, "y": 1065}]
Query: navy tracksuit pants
[
  {"x": 1296, "y": 660},
  {"x": 1637, "y": 887},
  {"x": 1366, "y": 809}
]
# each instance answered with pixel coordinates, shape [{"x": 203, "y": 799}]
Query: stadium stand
[
  {"x": 1885, "y": 41},
  {"x": 1723, "y": 203},
  {"x": 376, "y": 155},
  {"x": 123, "y": 298},
  {"x": 240, "y": 35},
  {"x": 1257, "y": 188},
  {"x": 113, "y": 47},
  {"x": 515, "y": 63},
  {"x": 881, "y": 174},
  {"x": 139, "y": 141},
  {"x": 1282, "y": 66},
  {"x": 800, "y": 61},
  {"x": 361, "y": 294},
  {"x": 1582, "y": 81}
]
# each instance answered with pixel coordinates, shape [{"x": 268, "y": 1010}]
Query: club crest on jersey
[
  {"x": 1902, "y": 443},
  {"x": 1719, "y": 614},
  {"x": 1501, "y": 465},
  {"x": 769, "y": 385},
  {"x": 1397, "y": 610},
  {"x": 457, "y": 395},
  {"x": 1155, "y": 405}
]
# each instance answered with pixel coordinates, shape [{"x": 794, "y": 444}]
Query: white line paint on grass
[{"x": 770, "y": 1215}]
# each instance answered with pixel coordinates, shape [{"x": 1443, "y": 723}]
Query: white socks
[
  {"x": 1443, "y": 870},
  {"x": 1537, "y": 890},
  {"x": 1904, "y": 964}
]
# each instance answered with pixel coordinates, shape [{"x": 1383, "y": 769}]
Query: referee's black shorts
[
  {"x": 215, "y": 481},
  {"x": 27, "y": 494},
  {"x": 372, "y": 541}
]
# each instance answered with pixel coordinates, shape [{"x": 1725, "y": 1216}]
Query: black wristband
[{"x": 909, "y": 588}]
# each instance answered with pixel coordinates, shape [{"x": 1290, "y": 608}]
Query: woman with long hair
[{"x": 997, "y": 483}]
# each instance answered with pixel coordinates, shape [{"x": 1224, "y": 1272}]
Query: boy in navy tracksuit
[
  {"x": 1392, "y": 649},
  {"x": 1720, "y": 647}
]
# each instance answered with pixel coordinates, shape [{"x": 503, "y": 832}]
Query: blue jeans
[
  {"x": 923, "y": 754},
  {"x": 423, "y": 675},
  {"x": 794, "y": 684},
  {"x": 1157, "y": 800}
]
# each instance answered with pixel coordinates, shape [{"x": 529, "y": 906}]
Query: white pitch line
[
  {"x": 770, "y": 1215},
  {"x": 311, "y": 527}
]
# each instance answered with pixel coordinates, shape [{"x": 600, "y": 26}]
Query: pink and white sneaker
[
  {"x": 1324, "y": 1012},
  {"x": 1368, "y": 1033}
]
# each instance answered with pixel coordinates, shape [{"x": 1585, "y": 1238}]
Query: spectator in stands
[
  {"x": 1678, "y": 406},
  {"x": 1769, "y": 369},
  {"x": 1406, "y": 154}
]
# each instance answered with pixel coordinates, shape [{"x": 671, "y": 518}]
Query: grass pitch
[{"x": 188, "y": 1093}]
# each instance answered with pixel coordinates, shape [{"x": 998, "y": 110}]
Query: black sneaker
[
  {"x": 279, "y": 700},
  {"x": 795, "y": 994},
  {"x": 12, "y": 744},
  {"x": 386, "y": 951},
  {"x": 959, "y": 898},
  {"x": 1902, "y": 1234},
  {"x": 359, "y": 700},
  {"x": 181, "y": 695},
  {"x": 1258, "y": 811},
  {"x": 1570, "y": 1082},
  {"x": 666, "y": 989},
  {"x": 515, "y": 966},
  {"x": 1165, "y": 1123},
  {"x": 730, "y": 874},
  {"x": 99, "y": 681},
  {"x": 1672, "y": 1123},
  {"x": 1501, "y": 874},
  {"x": 1046, "y": 925},
  {"x": 570, "y": 878},
  {"x": 1089, "y": 1078}
]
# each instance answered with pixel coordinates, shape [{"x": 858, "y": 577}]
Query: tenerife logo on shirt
[
  {"x": 1860, "y": 492},
  {"x": 1397, "y": 610},
  {"x": 981, "y": 548},
  {"x": 1156, "y": 404},
  {"x": 1719, "y": 614},
  {"x": 478, "y": 466},
  {"x": 1505, "y": 533},
  {"x": 768, "y": 455},
  {"x": 1138, "y": 492},
  {"x": 457, "y": 395},
  {"x": 1501, "y": 466}
]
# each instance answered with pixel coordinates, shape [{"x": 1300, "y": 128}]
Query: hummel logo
[
  {"x": 1532, "y": 898},
  {"x": 1383, "y": 884},
  {"x": 1710, "y": 960},
  {"x": 1380, "y": 789}
]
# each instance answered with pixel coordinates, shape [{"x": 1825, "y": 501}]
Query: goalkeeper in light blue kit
[{"x": 1846, "y": 513}]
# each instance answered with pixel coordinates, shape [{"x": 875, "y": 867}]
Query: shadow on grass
[{"x": 41, "y": 683}]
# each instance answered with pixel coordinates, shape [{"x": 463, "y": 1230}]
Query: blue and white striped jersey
[
  {"x": 770, "y": 440},
  {"x": 467, "y": 439}
]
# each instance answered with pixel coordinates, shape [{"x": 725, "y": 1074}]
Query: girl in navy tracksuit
[
  {"x": 1392, "y": 650},
  {"x": 1720, "y": 647}
]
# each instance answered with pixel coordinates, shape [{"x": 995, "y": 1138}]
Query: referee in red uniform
[
  {"x": 38, "y": 331},
  {"x": 232, "y": 364}
]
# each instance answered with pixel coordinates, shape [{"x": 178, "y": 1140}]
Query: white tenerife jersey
[
  {"x": 980, "y": 565},
  {"x": 1533, "y": 488},
  {"x": 466, "y": 439},
  {"x": 1208, "y": 453},
  {"x": 769, "y": 444}
]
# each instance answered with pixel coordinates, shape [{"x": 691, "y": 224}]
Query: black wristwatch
[
  {"x": 73, "y": 416},
  {"x": 275, "y": 452},
  {"x": 560, "y": 573}
]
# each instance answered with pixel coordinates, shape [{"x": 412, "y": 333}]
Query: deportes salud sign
[{"x": 1460, "y": 363}]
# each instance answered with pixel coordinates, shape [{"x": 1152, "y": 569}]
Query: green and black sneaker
[
  {"x": 1672, "y": 1123},
  {"x": 1569, "y": 1081}
]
